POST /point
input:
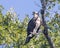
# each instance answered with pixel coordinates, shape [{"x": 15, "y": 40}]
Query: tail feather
[{"x": 28, "y": 38}]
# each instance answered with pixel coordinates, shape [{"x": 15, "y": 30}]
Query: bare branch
[{"x": 45, "y": 31}]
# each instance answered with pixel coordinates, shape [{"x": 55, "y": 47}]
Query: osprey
[{"x": 33, "y": 26}]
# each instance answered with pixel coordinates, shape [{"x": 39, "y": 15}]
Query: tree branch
[{"x": 45, "y": 31}]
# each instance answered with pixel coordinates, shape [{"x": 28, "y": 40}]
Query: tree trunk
[{"x": 45, "y": 31}]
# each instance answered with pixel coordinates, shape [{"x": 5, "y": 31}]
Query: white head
[{"x": 35, "y": 14}]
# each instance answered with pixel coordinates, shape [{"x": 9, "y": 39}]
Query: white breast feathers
[{"x": 38, "y": 21}]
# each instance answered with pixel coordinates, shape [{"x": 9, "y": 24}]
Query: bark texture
[{"x": 45, "y": 31}]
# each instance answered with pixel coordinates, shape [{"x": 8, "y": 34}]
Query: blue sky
[{"x": 22, "y": 7}]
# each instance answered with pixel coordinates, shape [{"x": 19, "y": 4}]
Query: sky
[{"x": 21, "y": 7}]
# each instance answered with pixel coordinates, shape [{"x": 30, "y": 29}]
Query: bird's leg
[
  {"x": 37, "y": 34},
  {"x": 34, "y": 31},
  {"x": 30, "y": 35}
]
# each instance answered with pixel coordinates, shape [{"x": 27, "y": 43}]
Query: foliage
[{"x": 13, "y": 31}]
